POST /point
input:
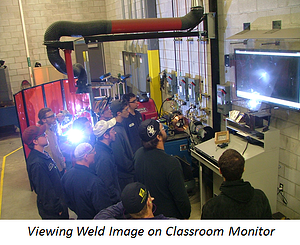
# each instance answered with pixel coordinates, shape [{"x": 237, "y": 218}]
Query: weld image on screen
[{"x": 268, "y": 75}]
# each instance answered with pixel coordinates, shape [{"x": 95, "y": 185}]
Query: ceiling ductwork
[{"x": 83, "y": 29}]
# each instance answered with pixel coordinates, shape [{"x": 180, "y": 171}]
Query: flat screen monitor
[{"x": 271, "y": 76}]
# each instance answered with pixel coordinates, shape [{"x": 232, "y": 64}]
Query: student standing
[
  {"x": 238, "y": 199},
  {"x": 44, "y": 175},
  {"x": 121, "y": 147},
  {"x": 160, "y": 172},
  {"x": 105, "y": 166},
  {"x": 85, "y": 191},
  {"x": 47, "y": 117},
  {"x": 132, "y": 123}
]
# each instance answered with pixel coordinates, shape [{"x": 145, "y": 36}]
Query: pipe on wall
[
  {"x": 26, "y": 43},
  {"x": 80, "y": 29}
]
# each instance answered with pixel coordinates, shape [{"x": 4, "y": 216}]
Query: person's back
[
  {"x": 123, "y": 156},
  {"x": 121, "y": 146},
  {"x": 85, "y": 192},
  {"x": 105, "y": 166},
  {"x": 161, "y": 173},
  {"x": 238, "y": 199},
  {"x": 106, "y": 169}
]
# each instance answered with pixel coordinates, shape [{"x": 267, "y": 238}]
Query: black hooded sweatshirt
[{"x": 237, "y": 200}]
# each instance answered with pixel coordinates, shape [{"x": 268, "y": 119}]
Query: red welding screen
[
  {"x": 53, "y": 96},
  {"x": 69, "y": 97},
  {"x": 77, "y": 104},
  {"x": 22, "y": 117},
  {"x": 34, "y": 101},
  {"x": 20, "y": 111}
]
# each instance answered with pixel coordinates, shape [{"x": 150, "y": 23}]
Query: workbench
[{"x": 261, "y": 160}]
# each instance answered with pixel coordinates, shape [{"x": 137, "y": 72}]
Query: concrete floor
[{"x": 18, "y": 201}]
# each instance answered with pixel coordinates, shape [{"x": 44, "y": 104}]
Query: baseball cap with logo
[
  {"x": 149, "y": 129},
  {"x": 102, "y": 126},
  {"x": 32, "y": 132},
  {"x": 134, "y": 197}
]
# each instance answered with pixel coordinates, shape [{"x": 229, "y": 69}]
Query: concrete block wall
[
  {"x": 288, "y": 121},
  {"x": 12, "y": 48},
  {"x": 38, "y": 15},
  {"x": 260, "y": 14},
  {"x": 113, "y": 51}
]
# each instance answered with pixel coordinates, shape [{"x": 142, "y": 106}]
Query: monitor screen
[{"x": 268, "y": 76}]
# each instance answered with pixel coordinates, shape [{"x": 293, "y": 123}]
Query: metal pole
[
  {"x": 70, "y": 71},
  {"x": 86, "y": 61},
  {"x": 215, "y": 69},
  {"x": 26, "y": 42}
]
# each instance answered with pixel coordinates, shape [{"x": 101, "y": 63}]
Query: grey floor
[{"x": 18, "y": 201}]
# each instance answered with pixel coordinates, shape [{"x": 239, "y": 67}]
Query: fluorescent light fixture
[
  {"x": 287, "y": 54},
  {"x": 250, "y": 96}
]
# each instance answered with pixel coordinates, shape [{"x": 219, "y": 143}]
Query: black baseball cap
[
  {"x": 134, "y": 197},
  {"x": 149, "y": 129}
]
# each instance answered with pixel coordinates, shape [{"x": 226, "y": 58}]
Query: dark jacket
[
  {"x": 131, "y": 125},
  {"x": 45, "y": 180},
  {"x": 117, "y": 211},
  {"x": 106, "y": 168},
  {"x": 162, "y": 175},
  {"x": 123, "y": 154},
  {"x": 237, "y": 200},
  {"x": 85, "y": 192}
]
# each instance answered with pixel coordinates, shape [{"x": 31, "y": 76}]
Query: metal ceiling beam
[{"x": 137, "y": 36}]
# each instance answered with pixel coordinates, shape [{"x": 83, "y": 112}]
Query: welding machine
[{"x": 148, "y": 109}]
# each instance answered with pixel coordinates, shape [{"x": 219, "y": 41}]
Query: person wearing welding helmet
[
  {"x": 84, "y": 130},
  {"x": 81, "y": 131},
  {"x": 102, "y": 109}
]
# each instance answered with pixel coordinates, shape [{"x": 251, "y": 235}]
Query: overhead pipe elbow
[
  {"x": 73, "y": 29},
  {"x": 81, "y": 29},
  {"x": 192, "y": 19}
]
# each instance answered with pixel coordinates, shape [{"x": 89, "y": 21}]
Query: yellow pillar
[{"x": 154, "y": 70}]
